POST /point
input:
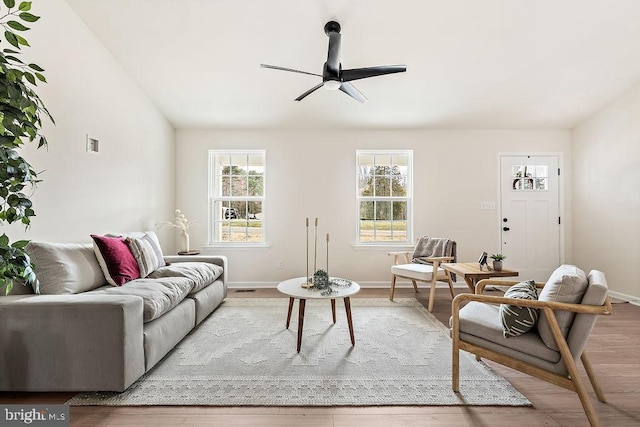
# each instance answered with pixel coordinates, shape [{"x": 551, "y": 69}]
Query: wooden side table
[{"x": 471, "y": 273}]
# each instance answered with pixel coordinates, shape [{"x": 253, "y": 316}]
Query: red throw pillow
[{"x": 116, "y": 260}]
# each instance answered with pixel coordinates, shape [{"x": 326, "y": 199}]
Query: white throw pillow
[
  {"x": 65, "y": 268},
  {"x": 148, "y": 257}
]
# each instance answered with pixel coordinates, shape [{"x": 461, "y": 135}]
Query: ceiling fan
[{"x": 333, "y": 76}]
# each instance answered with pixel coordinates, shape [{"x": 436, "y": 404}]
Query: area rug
[{"x": 242, "y": 355}]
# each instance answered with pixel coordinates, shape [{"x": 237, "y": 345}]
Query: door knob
[{"x": 505, "y": 228}]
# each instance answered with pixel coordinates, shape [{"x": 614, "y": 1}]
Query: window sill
[
  {"x": 238, "y": 246},
  {"x": 382, "y": 247}
]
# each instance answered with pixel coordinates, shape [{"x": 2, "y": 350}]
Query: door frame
[{"x": 561, "y": 193}]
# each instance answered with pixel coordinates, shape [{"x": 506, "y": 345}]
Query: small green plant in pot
[
  {"x": 497, "y": 261},
  {"x": 20, "y": 121}
]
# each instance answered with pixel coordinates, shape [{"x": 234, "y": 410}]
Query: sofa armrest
[
  {"x": 70, "y": 342},
  {"x": 220, "y": 260}
]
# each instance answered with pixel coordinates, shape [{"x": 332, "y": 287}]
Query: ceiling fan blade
[
  {"x": 333, "y": 55},
  {"x": 275, "y": 67},
  {"x": 313, "y": 89},
  {"x": 351, "y": 90},
  {"x": 363, "y": 73}
]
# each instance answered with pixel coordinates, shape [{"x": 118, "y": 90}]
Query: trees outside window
[
  {"x": 236, "y": 200},
  {"x": 384, "y": 196}
]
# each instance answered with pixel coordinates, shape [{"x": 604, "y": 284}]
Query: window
[
  {"x": 384, "y": 196},
  {"x": 530, "y": 178},
  {"x": 236, "y": 196}
]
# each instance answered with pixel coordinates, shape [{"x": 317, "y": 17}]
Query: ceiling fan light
[{"x": 332, "y": 84}]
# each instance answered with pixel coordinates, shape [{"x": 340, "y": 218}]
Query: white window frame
[
  {"x": 215, "y": 195},
  {"x": 408, "y": 199}
]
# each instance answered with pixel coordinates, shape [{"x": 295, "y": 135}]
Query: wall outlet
[
  {"x": 280, "y": 264},
  {"x": 487, "y": 205}
]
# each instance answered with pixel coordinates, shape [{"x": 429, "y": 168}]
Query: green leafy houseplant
[
  {"x": 20, "y": 121},
  {"x": 497, "y": 257}
]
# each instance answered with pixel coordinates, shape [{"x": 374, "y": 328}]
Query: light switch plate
[{"x": 487, "y": 205}]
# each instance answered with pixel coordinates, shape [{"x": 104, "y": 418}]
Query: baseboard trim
[
  {"x": 368, "y": 284},
  {"x": 625, "y": 297}
]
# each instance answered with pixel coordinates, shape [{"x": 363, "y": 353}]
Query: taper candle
[
  {"x": 315, "y": 249},
  {"x": 306, "y": 280},
  {"x": 327, "y": 253}
]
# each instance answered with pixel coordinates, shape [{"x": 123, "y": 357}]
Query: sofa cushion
[
  {"x": 201, "y": 274},
  {"x": 158, "y": 295},
  {"x": 115, "y": 259},
  {"x": 517, "y": 320},
  {"x": 145, "y": 255},
  {"x": 65, "y": 268},
  {"x": 567, "y": 284}
]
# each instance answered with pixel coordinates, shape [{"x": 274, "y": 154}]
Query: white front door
[{"x": 530, "y": 214}]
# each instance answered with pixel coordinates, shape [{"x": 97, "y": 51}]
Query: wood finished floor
[{"x": 614, "y": 350}]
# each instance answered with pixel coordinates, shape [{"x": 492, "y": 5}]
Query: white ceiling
[{"x": 527, "y": 64}]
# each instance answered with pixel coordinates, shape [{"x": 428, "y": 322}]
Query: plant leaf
[
  {"x": 10, "y": 3},
  {"x": 22, "y": 40},
  {"x": 36, "y": 67},
  {"x": 11, "y": 38},
  {"x": 28, "y": 17},
  {"x": 13, "y": 58},
  {"x": 17, "y": 26},
  {"x": 19, "y": 244},
  {"x": 30, "y": 78},
  {"x": 41, "y": 77},
  {"x": 25, "y": 5}
]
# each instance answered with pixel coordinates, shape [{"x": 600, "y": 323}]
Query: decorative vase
[
  {"x": 497, "y": 265},
  {"x": 184, "y": 244}
]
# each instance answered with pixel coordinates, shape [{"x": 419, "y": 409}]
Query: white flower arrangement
[{"x": 180, "y": 222}]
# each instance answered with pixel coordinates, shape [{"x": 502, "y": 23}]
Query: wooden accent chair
[
  {"x": 424, "y": 265},
  {"x": 476, "y": 327}
]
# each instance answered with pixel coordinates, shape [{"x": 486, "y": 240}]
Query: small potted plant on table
[{"x": 497, "y": 261}]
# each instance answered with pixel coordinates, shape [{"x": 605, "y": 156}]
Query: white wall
[
  {"x": 129, "y": 185},
  {"x": 606, "y": 189},
  {"x": 312, "y": 174}
]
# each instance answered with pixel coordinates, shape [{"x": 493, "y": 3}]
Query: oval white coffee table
[{"x": 294, "y": 290}]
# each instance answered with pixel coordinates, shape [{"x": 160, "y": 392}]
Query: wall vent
[{"x": 93, "y": 144}]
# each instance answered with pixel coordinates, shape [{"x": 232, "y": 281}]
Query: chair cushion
[
  {"x": 567, "y": 284},
  {"x": 518, "y": 320},
  {"x": 483, "y": 321},
  {"x": 421, "y": 272}
]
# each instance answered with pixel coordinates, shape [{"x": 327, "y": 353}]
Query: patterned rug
[{"x": 243, "y": 355}]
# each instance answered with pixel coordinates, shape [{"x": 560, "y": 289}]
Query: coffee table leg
[
  {"x": 333, "y": 310},
  {"x": 300, "y": 321},
  {"x": 347, "y": 307},
  {"x": 289, "y": 314}
]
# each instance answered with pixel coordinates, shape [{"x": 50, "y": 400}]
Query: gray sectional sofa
[{"x": 80, "y": 334}]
